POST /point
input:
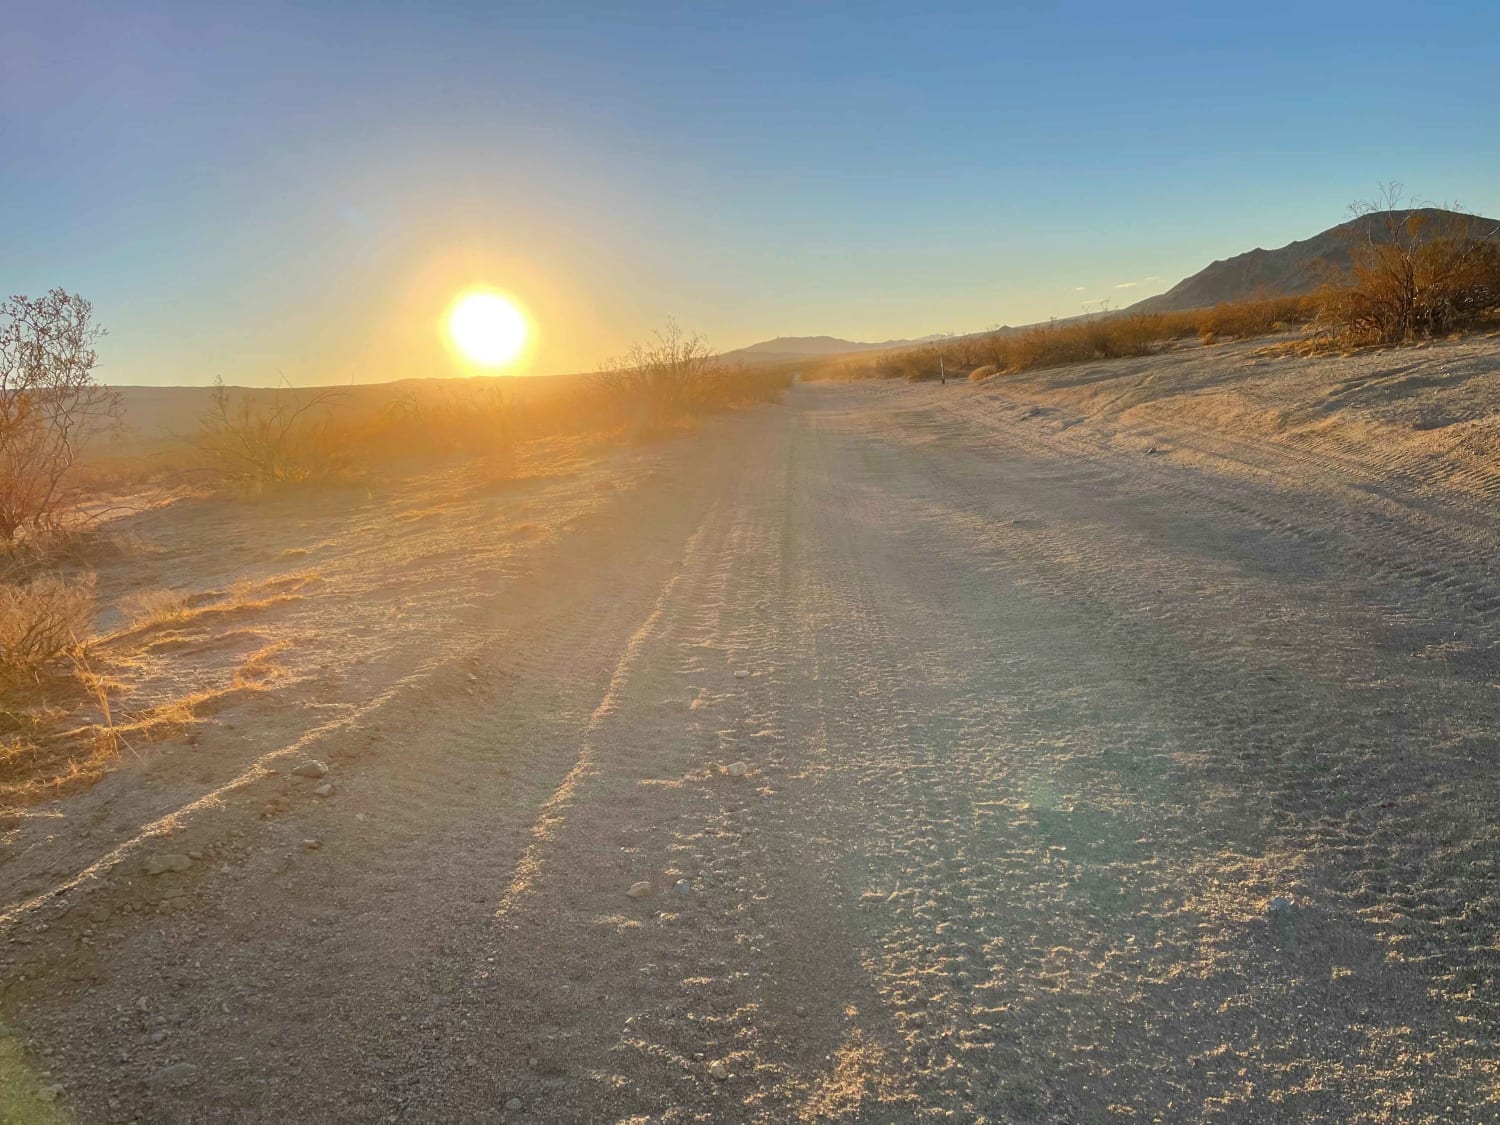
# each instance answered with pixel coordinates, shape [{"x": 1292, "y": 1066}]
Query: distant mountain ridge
[
  {"x": 797, "y": 347},
  {"x": 1298, "y": 267}
]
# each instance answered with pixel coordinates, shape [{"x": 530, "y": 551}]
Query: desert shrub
[
  {"x": 479, "y": 422},
  {"x": 1242, "y": 319},
  {"x": 42, "y": 621},
  {"x": 150, "y": 607},
  {"x": 657, "y": 383},
  {"x": 1409, "y": 281},
  {"x": 50, "y": 405},
  {"x": 664, "y": 382},
  {"x": 1084, "y": 340},
  {"x": 285, "y": 437}
]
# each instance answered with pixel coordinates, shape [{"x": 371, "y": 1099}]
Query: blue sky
[{"x": 268, "y": 191}]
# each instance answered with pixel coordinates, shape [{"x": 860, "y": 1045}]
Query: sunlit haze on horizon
[{"x": 271, "y": 191}]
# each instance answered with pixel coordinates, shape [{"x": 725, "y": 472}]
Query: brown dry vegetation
[
  {"x": 1059, "y": 343},
  {"x": 1406, "y": 283},
  {"x": 73, "y": 664},
  {"x": 257, "y": 440}
]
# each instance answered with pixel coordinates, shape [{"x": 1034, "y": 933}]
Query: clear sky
[{"x": 270, "y": 190}]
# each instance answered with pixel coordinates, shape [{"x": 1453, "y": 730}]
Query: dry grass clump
[
  {"x": 154, "y": 607},
  {"x": 259, "y": 666},
  {"x": 979, "y": 374},
  {"x": 41, "y": 622},
  {"x": 1246, "y": 319}
]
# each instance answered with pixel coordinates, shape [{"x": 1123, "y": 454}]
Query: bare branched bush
[
  {"x": 663, "y": 383},
  {"x": 657, "y": 384},
  {"x": 41, "y": 622},
  {"x": 258, "y": 441},
  {"x": 50, "y": 405},
  {"x": 1415, "y": 273}
]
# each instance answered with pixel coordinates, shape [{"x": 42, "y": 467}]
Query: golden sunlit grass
[
  {"x": 1077, "y": 341},
  {"x": 146, "y": 610},
  {"x": 61, "y": 727},
  {"x": 154, "y": 607},
  {"x": 46, "y": 752},
  {"x": 259, "y": 665}
]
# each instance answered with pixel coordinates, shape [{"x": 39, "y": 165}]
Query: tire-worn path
[{"x": 1035, "y": 733}]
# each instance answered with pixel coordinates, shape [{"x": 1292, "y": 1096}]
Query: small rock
[
  {"x": 742, "y": 673},
  {"x": 513, "y": 1105},
  {"x": 177, "y": 1075},
  {"x": 718, "y": 1070},
  {"x": 1280, "y": 907},
  {"x": 312, "y": 845},
  {"x": 683, "y": 887},
  {"x": 171, "y": 861},
  {"x": 639, "y": 890},
  {"x": 736, "y": 769},
  {"x": 311, "y": 768},
  {"x": 324, "y": 790},
  {"x": 158, "y": 1035}
]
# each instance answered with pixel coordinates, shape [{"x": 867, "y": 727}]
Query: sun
[{"x": 487, "y": 328}]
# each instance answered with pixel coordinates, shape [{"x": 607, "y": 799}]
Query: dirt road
[{"x": 1036, "y": 727}]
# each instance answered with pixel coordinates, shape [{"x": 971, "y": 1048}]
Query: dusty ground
[{"x": 1046, "y": 689}]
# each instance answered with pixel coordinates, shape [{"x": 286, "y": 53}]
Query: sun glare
[{"x": 487, "y": 328}]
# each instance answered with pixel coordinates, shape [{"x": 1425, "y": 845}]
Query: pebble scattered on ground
[
  {"x": 311, "y": 768},
  {"x": 639, "y": 890}
]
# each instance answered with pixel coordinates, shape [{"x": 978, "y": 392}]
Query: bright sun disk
[{"x": 487, "y": 328}]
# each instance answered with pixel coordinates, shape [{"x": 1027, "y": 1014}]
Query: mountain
[
  {"x": 1299, "y": 267},
  {"x": 807, "y": 347}
]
